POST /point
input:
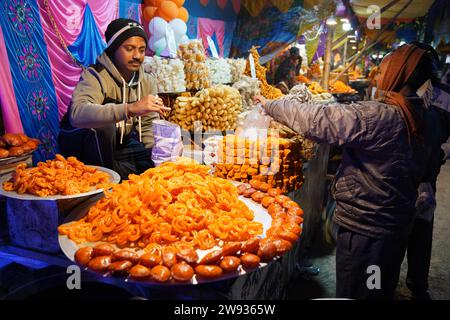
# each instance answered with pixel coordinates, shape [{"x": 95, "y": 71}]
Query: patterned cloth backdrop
[
  {"x": 214, "y": 18},
  {"x": 42, "y": 48},
  {"x": 30, "y": 73},
  {"x": 63, "y": 20}
]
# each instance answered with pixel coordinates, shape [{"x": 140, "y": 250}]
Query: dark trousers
[
  {"x": 101, "y": 147},
  {"x": 419, "y": 256},
  {"x": 356, "y": 254}
]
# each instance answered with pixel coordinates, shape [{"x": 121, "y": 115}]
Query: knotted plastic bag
[{"x": 168, "y": 143}]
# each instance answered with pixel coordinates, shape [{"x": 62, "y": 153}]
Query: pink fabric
[
  {"x": 10, "y": 111},
  {"x": 104, "y": 12},
  {"x": 207, "y": 27},
  {"x": 68, "y": 15}
]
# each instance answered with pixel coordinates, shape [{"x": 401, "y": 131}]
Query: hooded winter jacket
[
  {"x": 376, "y": 186},
  {"x": 99, "y": 100}
]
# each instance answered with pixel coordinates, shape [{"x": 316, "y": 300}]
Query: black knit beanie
[{"x": 120, "y": 30}]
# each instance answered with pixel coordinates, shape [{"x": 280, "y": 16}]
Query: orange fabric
[{"x": 395, "y": 70}]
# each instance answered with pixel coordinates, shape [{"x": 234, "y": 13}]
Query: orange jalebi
[
  {"x": 59, "y": 176},
  {"x": 171, "y": 205}
]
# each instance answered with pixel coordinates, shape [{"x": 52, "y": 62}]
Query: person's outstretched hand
[
  {"x": 260, "y": 99},
  {"x": 146, "y": 105}
]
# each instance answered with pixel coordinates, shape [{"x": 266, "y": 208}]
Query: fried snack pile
[
  {"x": 303, "y": 79},
  {"x": 59, "y": 176},
  {"x": 316, "y": 88},
  {"x": 174, "y": 204},
  {"x": 217, "y": 108},
  {"x": 16, "y": 144},
  {"x": 268, "y": 91},
  {"x": 340, "y": 87},
  {"x": 273, "y": 160}
]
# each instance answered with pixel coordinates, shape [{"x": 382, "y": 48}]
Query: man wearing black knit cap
[{"x": 109, "y": 121}]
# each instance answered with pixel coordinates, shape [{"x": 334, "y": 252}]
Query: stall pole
[
  {"x": 345, "y": 52},
  {"x": 327, "y": 58}
]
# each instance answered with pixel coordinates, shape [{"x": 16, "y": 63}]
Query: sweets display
[
  {"x": 273, "y": 160},
  {"x": 316, "y": 88},
  {"x": 340, "y": 87},
  {"x": 268, "y": 91},
  {"x": 195, "y": 69},
  {"x": 319, "y": 94},
  {"x": 59, "y": 176},
  {"x": 219, "y": 71},
  {"x": 303, "y": 79},
  {"x": 216, "y": 108},
  {"x": 237, "y": 67},
  {"x": 184, "y": 209},
  {"x": 173, "y": 204},
  {"x": 16, "y": 144},
  {"x": 168, "y": 73},
  {"x": 152, "y": 226},
  {"x": 307, "y": 148},
  {"x": 248, "y": 88}
]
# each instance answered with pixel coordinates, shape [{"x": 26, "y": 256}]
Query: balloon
[
  {"x": 204, "y": 2},
  {"x": 157, "y": 46},
  {"x": 149, "y": 13},
  {"x": 157, "y": 27},
  {"x": 183, "y": 14},
  {"x": 151, "y": 43},
  {"x": 178, "y": 26},
  {"x": 168, "y": 10},
  {"x": 179, "y": 3},
  {"x": 222, "y": 3},
  {"x": 153, "y": 3},
  {"x": 183, "y": 39}
]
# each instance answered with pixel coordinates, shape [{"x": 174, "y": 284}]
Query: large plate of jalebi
[
  {"x": 177, "y": 224},
  {"x": 56, "y": 180}
]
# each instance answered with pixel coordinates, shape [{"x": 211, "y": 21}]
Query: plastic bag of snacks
[
  {"x": 195, "y": 69},
  {"x": 248, "y": 88},
  {"x": 254, "y": 124},
  {"x": 219, "y": 71},
  {"x": 169, "y": 73},
  {"x": 168, "y": 143}
]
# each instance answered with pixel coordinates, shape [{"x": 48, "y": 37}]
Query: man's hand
[
  {"x": 260, "y": 99},
  {"x": 146, "y": 105}
]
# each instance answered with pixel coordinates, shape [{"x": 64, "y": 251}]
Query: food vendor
[
  {"x": 109, "y": 121},
  {"x": 285, "y": 77},
  {"x": 383, "y": 161}
]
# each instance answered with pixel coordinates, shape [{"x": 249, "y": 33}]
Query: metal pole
[
  {"x": 345, "y": 53},
  {"x": 327, "y": 58}
]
